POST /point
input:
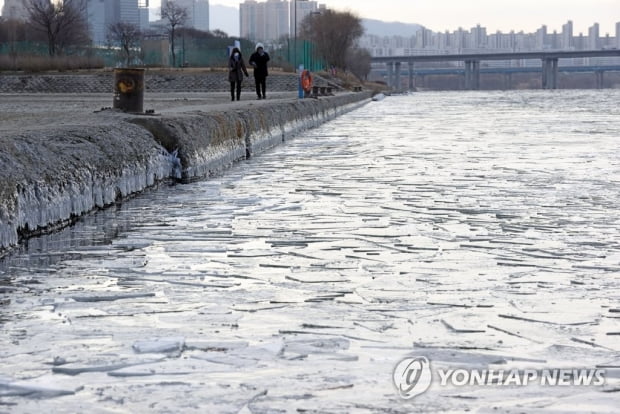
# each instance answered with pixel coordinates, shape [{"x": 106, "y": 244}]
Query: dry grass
[
  {"x": 32, "y": 63},
  {"x": 349, "y": 81},
  {"x": 376, "y": 87}
]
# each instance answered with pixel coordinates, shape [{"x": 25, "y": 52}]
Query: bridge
[{"x": 472, "y": 70}]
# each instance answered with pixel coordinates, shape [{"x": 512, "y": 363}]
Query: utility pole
[{"x": 295, "y": 36}]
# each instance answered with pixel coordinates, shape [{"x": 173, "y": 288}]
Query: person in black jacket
[
  {"x": 236, "y": 70},
  {"x": 259, "y": 60}
]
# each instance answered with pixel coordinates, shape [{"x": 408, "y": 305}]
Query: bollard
[{"x": 129, "y": 89}]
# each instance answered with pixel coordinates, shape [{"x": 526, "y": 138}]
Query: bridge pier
[
  {"x": 422, "y": 81},
  {"x": 508, "y": 81},
  {"x": 600, "y": 78},
  {"x": 390, "y": 74},
  {"x": 397, "y": 85},
  {"x": 411, "y": 77},
  {"x": 550, "y": 73},
  {"x": 472, "y": 75}
]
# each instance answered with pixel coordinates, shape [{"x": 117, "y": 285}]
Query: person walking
[
  {"x": 259, "y": 60},
  {"x": 236, "y": 70}
]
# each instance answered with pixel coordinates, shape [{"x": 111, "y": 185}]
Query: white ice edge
[{"x": 47, "y": 204}]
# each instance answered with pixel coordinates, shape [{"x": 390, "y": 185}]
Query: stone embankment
[
  {"x": 102, "y": 82},
  {"x": 53, "y": 173}
]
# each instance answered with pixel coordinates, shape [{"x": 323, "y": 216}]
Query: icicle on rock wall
[
  {"x": 208, "y": 142},
  {"x": 52, "y": 175}
]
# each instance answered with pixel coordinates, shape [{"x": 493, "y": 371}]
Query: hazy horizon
[
  {"x": 522, "y": 15},
  {"x": 441, "y": 15}
]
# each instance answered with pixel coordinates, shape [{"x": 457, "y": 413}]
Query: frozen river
[{"x": 478, "y": 230}]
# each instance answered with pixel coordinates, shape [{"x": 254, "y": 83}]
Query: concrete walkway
[{"x": 19, "y": 112}]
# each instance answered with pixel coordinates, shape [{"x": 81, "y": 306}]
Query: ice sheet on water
[
  {"x": 469, "y": 357},
  {"x": 221, "y": 346},
  {"x": 316, "y": 345},
  {"x": 316, "y": 277},
  {"x": 220, "y": 314},
  {"x": 112, "y": 297},
  {"x": 381, "y": 308},
  {"x": 159, "y": 345},
  {"x": 42, "y": 387},
  {"x": 77, "y": 369},
  {"x": 245, "y": 356}
]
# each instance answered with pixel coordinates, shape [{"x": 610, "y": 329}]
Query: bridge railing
[{"x": 547, "y": 63}]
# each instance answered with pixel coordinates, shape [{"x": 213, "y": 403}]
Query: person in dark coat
[
  {"x": 236, "y": 70},
  {"x": 259, "y": 60}
]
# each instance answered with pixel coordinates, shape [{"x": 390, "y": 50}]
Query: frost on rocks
[{"x": 51, "y": 176}]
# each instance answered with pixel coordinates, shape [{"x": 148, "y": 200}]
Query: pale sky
[{"x": 504, "y": 15}]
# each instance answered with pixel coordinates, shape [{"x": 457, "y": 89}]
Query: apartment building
[
  {"x": 15, "y": 10},
  {"x": 475, "y": 40},
  {"x": 100, "y": 14},
  {"x": 263, "y": 20},
  {"x": 273, "y": 19}
]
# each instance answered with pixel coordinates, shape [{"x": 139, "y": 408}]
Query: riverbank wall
[
  {"x": 154, "y": 81},
  {"x": 53, "y": 174}
]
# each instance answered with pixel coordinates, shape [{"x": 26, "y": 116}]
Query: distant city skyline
[{"x": 517, "y": 15}]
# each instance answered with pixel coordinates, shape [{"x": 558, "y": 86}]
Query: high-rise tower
[{"x": 15, "y": 9}]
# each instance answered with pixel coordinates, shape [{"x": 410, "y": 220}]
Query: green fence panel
[{"x": 193, "y": 52}]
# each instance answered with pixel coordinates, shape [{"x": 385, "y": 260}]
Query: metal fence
[{"x": 190, "y": 51}]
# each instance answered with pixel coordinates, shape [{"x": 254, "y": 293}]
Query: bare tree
[
  {"x": 359, "y": 62},
  {"x": 176, "y": 16},
  {"x": 63, "y": 23},
  {"x": 127, "y": 36},
  {"x": 220, "y": 33},
  {"x": 333, "y": 33},
  {"x": 10, "y": 35},
  {"x": 12, "y": 30}
]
